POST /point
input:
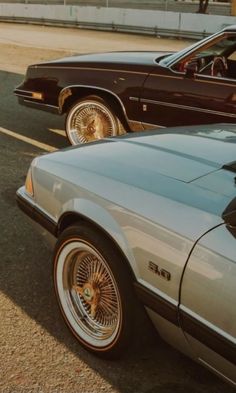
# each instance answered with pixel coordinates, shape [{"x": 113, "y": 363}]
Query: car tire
[
  {"x": 91, "y": 119},
  {"x": 94, "y": 289}
]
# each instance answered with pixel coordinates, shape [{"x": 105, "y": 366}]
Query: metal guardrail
[
  {"x": 174, "y": 24},
  {"x": 214, "y": 7},
  {"x": 154, "y": 31}
]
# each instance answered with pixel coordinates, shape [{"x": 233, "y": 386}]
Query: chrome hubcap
[{"x": 90, "y": 121}]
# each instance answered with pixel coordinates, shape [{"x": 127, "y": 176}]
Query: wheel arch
[
  {"x": 70, "y": 94},
  {"x": 108, "y": 227}
]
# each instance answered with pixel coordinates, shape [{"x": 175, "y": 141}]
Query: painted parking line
[
  {"x": 30, "y": 141},
  {"x": 58, "y": 132}
]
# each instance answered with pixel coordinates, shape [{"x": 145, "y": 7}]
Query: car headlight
[{"x": 29, "y": 183}]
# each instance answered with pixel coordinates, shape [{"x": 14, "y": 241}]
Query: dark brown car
[{"x": 112, "y": 93}]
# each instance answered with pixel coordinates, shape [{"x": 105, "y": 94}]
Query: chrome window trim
[{"x": 196, "y": 47}]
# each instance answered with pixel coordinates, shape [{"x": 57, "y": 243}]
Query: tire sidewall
[{"x": 123, "y": 281}]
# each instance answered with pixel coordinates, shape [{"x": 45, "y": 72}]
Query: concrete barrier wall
[{"x": 140, "y": 21}]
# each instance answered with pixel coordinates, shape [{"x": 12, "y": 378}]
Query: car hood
[
  {"x": 182, "y": 165},
  {"x": 184, "y": 154},
  {"x": 135, "y": 58}
]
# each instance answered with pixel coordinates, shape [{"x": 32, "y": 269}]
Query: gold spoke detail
[{"x": 96, "y": 291}]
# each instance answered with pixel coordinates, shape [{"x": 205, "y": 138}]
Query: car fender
[
  {"x": 68, "y": 91},
  {"x": 83, "y": 209}
]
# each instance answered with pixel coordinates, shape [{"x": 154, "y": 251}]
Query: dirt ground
[{"x": 22, "y": 45}]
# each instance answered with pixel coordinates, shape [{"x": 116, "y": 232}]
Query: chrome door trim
[{"x": 186, "y": 107}]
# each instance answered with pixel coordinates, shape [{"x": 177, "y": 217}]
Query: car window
[
  {"x": 167, "y": 61},
  {"x": 203, "y": 59}
]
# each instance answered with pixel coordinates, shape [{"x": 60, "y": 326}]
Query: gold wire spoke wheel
[
  {"x": 88, "y": 294},
  {"x": 90, "y": 120}
]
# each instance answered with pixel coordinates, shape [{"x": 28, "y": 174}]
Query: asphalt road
[{"x": 38, "y": 353}]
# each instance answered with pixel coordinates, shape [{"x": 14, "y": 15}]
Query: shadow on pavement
[{"x": 29, "y": 122}]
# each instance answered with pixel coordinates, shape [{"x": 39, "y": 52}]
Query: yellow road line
[
  {"x": 58, "y": 132},
  {"x": 30, "y": 141}
]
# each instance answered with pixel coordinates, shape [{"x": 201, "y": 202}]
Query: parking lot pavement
[{"x": 38, "y": 353}]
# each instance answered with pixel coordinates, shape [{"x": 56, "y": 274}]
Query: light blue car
[{"x": 144, "y": 219}]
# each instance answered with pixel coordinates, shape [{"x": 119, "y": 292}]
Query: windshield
[
  {"x": 214, "y": 45},
  {"x": 171, "y": 58},
  {"x": 214, "y": 56}
]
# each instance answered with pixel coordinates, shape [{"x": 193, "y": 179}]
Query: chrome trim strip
[
  {"x": 157, "y": 301},
  {"x": 30, "y": 96},
  {"x": 153, "y": 125},
  {"x": 214, "y": 370},
  {"x": 191, "y": 108},
  {"x": 97, "y": 88},
  {"x": 168, "y": 76},
  {"x": 208, "y": 324},
  {"x": 219, "y": 80},
  {"x": 158, "y": 292},
  {"x": 23, "y": 95},
  {"x": 42, "y": 104},
  {"x": 22, "y": 91},
  {"x": 197, "y": 78},
  {"x": 134, "y": 99},
  {"x": 136, "y": 126},
  {"x": 92, "y": 69},
  {"x": 27, "y": 93},
  {"x": 207, "y": 333}
]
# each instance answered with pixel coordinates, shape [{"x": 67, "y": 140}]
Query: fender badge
[{"x": 159, "y": 271}]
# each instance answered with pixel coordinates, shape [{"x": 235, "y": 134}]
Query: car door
[
  {"x": 171, "y": 98},
  {"x": 208, "y": 299}
]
